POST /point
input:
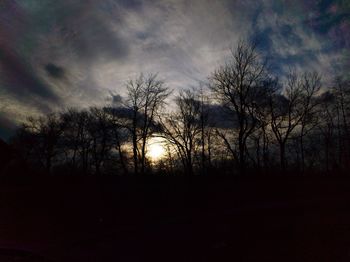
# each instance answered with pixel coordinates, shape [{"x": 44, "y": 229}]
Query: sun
[{"x": 156, "y": 149}]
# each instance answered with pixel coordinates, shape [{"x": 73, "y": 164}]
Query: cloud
[
  {"x": 286, "y": 35},
  {"x": 54, "y": 71},
  {"x": 58, "y": 54},
  {"x": 7, "y": 127}
]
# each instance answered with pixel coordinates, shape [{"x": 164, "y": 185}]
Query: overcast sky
[{"x": 56, "y": 54}]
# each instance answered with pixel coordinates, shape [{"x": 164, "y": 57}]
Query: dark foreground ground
[{"x": 168, "y": 219}]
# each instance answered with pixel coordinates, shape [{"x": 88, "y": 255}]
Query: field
[{"x": 173, "y": 219}]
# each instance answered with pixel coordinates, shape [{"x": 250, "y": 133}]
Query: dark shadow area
[{"x": 173, "y": 219}]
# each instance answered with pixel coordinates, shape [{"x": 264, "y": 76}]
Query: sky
[{"x": 79, "y": 53}]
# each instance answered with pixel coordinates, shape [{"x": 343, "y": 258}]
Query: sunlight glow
[{"x": 156, "y": 149}]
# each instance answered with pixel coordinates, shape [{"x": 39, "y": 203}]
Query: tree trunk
[
  {"x": 189, "y": 163},
  {"x": 283, "y": 156},
  {"x": 143, "y": 155},
  {"x": 302, "y": 151},
  {"x": 121, "y": 157},
  {"x": 134, "y": 144},
  {"x": 241, "y": 155},
  {"x": 209, "y": 151}
]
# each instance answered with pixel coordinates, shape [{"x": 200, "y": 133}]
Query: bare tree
[
  {"x": 207, "y": 128},
  {"x": 285, "y": 114},
  {"x": 146, "y": 95},
  {"x": 341, "y": 92},
  {"x": 118, "y": 119},
  {"x": 45, "y": 132},
  {"x": 311, "y": 85},
  {"x": 101, "y": 134},
  {"x": 182, "y": 127},
  {"x": 328, "y": 128},
  {"x": 237, "y": 87},
  {"x": 294, "y": 110},
  {"x": 76, "y": 139}
]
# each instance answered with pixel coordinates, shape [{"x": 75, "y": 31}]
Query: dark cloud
[
  {"x": 20, "y": 80},
  {"x": 219, "y": 117},
  {"x": 290, "y": 35},
  {"x": 7, "y": 126},
  {"x": 262, "y": 39},
  {"x": 117, "y": 100},
  {"x": 131, "y": 4},
  {"x": 54, "y": 71},
  {"x": 91, "y": 39}
]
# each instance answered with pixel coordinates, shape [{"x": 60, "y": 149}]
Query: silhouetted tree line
[{"x": 247, "y": 120}]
